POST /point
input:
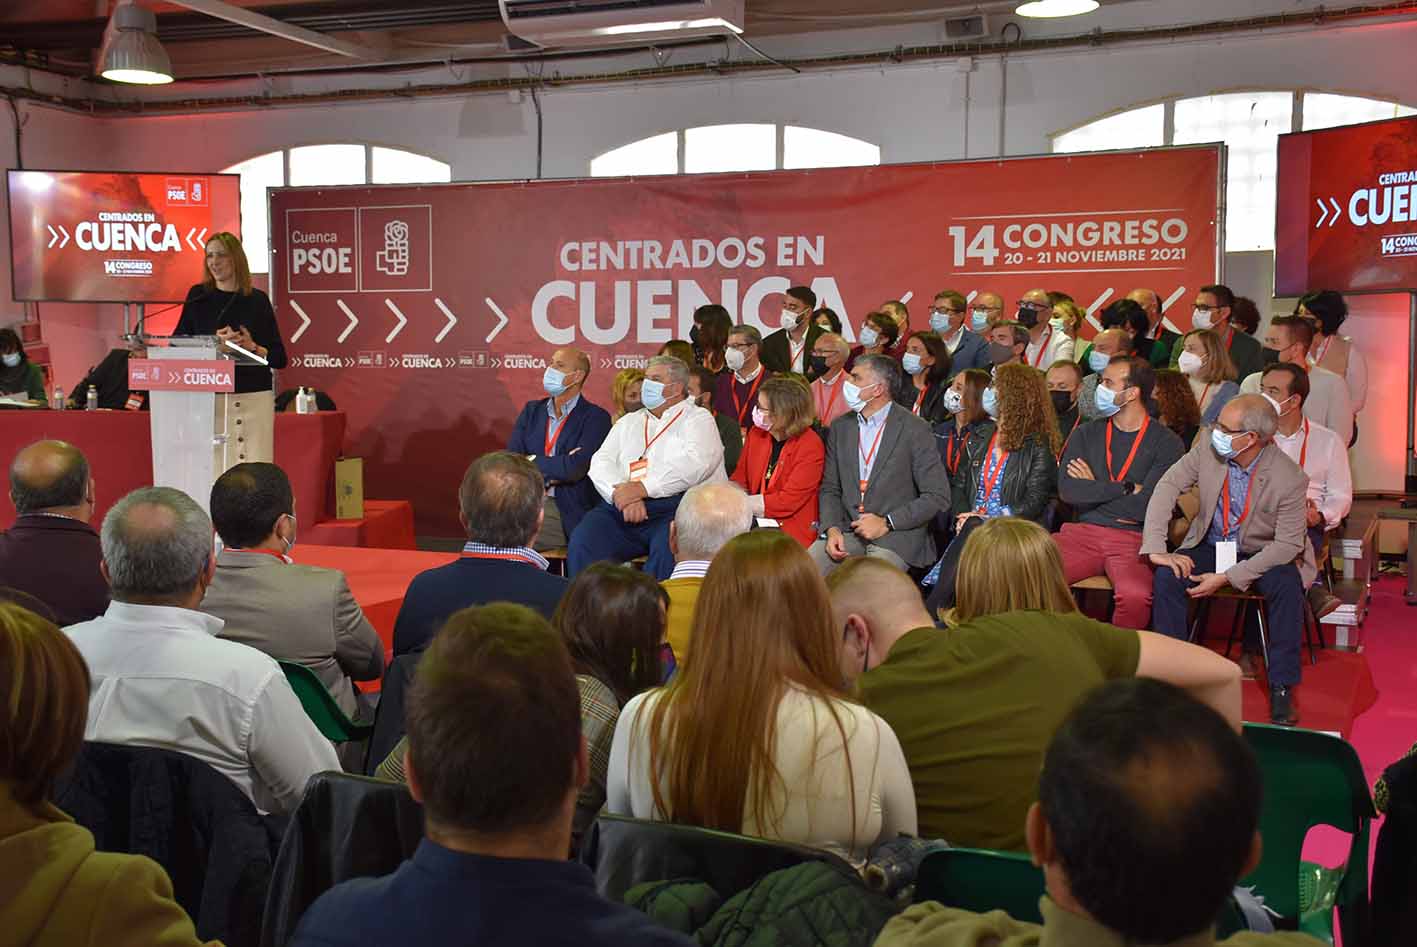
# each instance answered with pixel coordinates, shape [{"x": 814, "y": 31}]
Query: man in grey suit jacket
[
  {"x": 883, "y": 481},
  {"x": 295, "y": 613}
]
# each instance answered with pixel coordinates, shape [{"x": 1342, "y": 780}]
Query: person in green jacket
[
  {"x": 1147, "y": 815},
  {"x": 17, "y": 372}
]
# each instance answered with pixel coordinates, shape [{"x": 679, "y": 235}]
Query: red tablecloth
[{"x": 118, "y": 445}]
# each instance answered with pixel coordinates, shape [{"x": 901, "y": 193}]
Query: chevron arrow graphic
[
  {"x": 502, "y": 319},
  {"x": 1336, "y": 212},
  {"x": 353, "y": 321},
  {"x": 304, "y": 321},
  {"x": 452, "y": 320},
  {"x": 1323, "y": 212},
  {"x": 403, "y": 320}
]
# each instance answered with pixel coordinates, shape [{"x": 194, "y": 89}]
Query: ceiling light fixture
[
  {"x": 131, "y": 52},
  {"x": 1056, "y": 8}
]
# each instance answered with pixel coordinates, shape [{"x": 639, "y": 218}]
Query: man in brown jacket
[{"x": 1252, "y": 521}]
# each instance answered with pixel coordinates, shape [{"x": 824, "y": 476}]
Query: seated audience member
[
  {"x": 560, "y": 433},
  {"x": 499, "y": 504},
  {"x": 162, "y": 677},
  {"x": 678, "y": 348},
  {"x": 1128, "y": 315},
  {"x": 1068, "y": 317},
  {"x": 737, "y": 389},
  {"x": 1176, "y": 405},
  {"x": 1107, "y": 474},
  {"x": 19, "y": 375},
  {"x": 1327, "y": 404},
  {"x": 828, "y": 320},
  {"x": 708, "y": 517},
  {"x": 975, "y": 705},
  {"x": 901, "y": 316},
  {"x": 1213, "y": 308},
  {"x": 829, "y": 356},
  {"x": 1162, "y": 339},
  {"x": 986, "y": 309},
  {"x": 612, "y": 619},
  {"x": 882, "y": 483},
  {"x": 1106, "y": 345},
  {"x": 57, "y": 891},
  {"x": 789, "y": 349},
  {"x": 1337, "y": 353},
  {"x": 701, "y": 386},
  {"x": 625, "y": 393},
  {"x": 1046, "y": 342},
  {"x": 1009, "y": 470},
  {"x": 781, "y": 467},
  {"x": 1245, "y": 315},
  {"x": 497, "y": 756},
  {"x": 643, "y": 468},
  {"x": 927, "y": 367},
  {"x": 709, "y": 336},
  {"x": 1008, "y": 343},
  {"x": 1064, "y": 380},
  {"x": 879, "y": 333},
  {"x": 1056, "y": 296},
  {"x": 948, "y": 315},
  {"x": 51, "y": 551},
  {"x": 781, "y": 752},
  {"x": 109, "y": 379},
  {"x": 1323, "y": 458},
  {"x": 1252, "y": 501},
  {"x": 964, "y": 401},
  {"x": 1207, "y": 366},
  {"x": 1147, "y": 816},
  {"x": 295, "y": 613}
]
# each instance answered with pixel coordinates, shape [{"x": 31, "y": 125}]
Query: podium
[{"x": 189, "y": 379}]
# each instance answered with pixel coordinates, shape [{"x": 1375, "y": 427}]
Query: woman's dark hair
[
  {"x": 1245, "y": 314},
  {"x": 612, "y": 619},
  {"x": 10, "y": 342},
  {"x": 830, "y": 315},
  {"x": 1328, "y": 307},
  {"x": 1126, "y": 314},
  {"x": 939, "y": 351},
  {"x": 714, "y": 323},
  {"x": 886, "y": 326}
]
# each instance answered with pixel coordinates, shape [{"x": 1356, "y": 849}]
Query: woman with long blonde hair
[
  {"x": 1207, "y": 365},
  {"x": 756, "y": 733},
  {"x": 625, "y": 392}
]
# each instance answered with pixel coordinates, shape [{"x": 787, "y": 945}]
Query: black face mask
[
  {"x": 817, "y": 366},
  {"x": 1269, "y": 356},
  {"x": 1027, "y": 317},
  {"x": 1062, "y": 401},
  {"x": 999, "y": 354}
]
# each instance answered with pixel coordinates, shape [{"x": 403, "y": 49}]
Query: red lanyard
[
  {"x": 553, "y": 434},
  {"x": 649, "y": 441},
  {"x": 738, "y": 406},
  {"x": 1042, "y": 347},
  {"x": 823, "y": 414},
  {"x": 1131, "y": 456},
  {"x": 954, "y": 451},
  {"x": 1229, "y": 337},
  {"x": 1076, "y": 421},
  {"x": 1225, "y": 509},
  {"x": 1322, "y": 350},
  {"x": 866, "y": 458},
  {"x": 796, "y": 350},
  {"x": 1304, "y": 447},
  {"x": 918, "y": 400},
  {"x": 992, "y": 477},
  {"x": 1204, "y": 392}
]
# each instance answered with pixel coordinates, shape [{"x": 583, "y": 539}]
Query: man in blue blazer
[
  {"x": 967, "y": 349},
  {"x": 560, "y": 434}
]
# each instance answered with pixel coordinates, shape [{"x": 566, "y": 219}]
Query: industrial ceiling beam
[{"x": 296, "y": 34}]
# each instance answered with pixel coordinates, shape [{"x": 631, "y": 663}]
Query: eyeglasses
[
  {"x": 1202, "y": 307},
  {"x": 943, "y": 311},
  {"x": 742, "y": 346},
  {"x": 1028, "y": 304}
]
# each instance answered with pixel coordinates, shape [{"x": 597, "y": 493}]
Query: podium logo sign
[{"x": 181, "y": 375}]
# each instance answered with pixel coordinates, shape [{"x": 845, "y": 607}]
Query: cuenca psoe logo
[{"x": 393, "y": 259}]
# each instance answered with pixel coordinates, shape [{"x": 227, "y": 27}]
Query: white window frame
[{"x": 779, "y": 133}]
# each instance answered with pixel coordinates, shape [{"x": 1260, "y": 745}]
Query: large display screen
[
  {"x": 1347, "y": 209},
  {"x": 99, "y": 236}
]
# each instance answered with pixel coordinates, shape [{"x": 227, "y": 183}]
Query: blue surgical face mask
[
  {"x": 911, "y": 363},
  {"x": 940, "y": 322},
  {"x": 1106, "y": 400},
  {"x": 652, "y": 394},
  {"x": 991, "y": 402},
  {"x": 11, "y": 360},
  {"x": 554, "y": 381},
  {"x": 869, "y": 337},
  {"x": 1098, "y": 360},
  {"x": 1223, "y": 443},
  {"x": 978, "y": 319}
]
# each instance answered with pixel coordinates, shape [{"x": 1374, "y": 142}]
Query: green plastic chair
[
  {"x": 1311, "y": 779},
  {"x": 321, "y": 707}
]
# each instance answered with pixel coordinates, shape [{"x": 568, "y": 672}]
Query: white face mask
[
  {"x": 1202, "y": 318},
  {"x": 11, "y": 360},
  {"x": 733, "y": 359},
  {"x": 953, "y": 401},
  {"x": 789, "y": 320},
  {"x": 1278, "y": 406},
  {"x": 1189, "y": 363}
]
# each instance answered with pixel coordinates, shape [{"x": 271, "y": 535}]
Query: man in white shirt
[
  {"x": 1322, "y": 456},
  {"x": 789, "y": 348},
  {"x": 642, "y": 470},
  {"x": 161, "y": 676},
  {"x": 1046, "y": 343},
  {"x": 829, "y": 360},
  {"x": 947, "y": 316},
  {"x": 1328, "y": 402}
]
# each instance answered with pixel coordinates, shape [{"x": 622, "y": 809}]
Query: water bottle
[
  {"x": 91, "y": 399},
  {"x": 302, "y": 406},
  {"x": 58, "y": 398}
]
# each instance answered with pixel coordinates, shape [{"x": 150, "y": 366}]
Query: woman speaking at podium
[{"x": 224, "y": 304}]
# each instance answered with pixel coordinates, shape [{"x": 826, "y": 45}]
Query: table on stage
[{"x": 118, "y": 445}]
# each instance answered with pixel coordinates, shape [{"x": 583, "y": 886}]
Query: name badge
[
  {"x": 861, "y": 486},
  {"x": 639, "y": 470},
  {"x": 1226, "y": 555}
]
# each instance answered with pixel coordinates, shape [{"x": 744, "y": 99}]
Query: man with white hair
[
  {"x": 828, "y": 364},
  {"x": 708, "y": 517},
  {"x": 162, "y": 677},
  {"x": 651, "y": 457}
]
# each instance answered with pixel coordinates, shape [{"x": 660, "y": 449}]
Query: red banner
[
  {"x": 83, "y": 236},
  {"x": 1347, "y": 209},
  {"x": 146, "y": 374},
  {"x": 428, "y": 312}
]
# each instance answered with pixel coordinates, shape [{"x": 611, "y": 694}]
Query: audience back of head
[
  {"x": 1152, "y": 802},
  {"x": 1009, "y": 564},
  {"x": 246, "y": 502},
  {"x": 500, "y": 501},
  {"x": 157, "y": 548},
  {"x": 612, "y": 620},
  {"x": 708, "y": 516},
  {"x": 48, "y": 475}
]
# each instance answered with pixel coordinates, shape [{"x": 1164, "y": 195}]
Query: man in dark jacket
[
  {"x": 789, "y": 349},
  {"x": 51, "y": 552}
]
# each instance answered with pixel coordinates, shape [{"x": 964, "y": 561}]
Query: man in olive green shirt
[
  {"x": 1148, "y": 814},
  {"x": 975, "y": 706}
]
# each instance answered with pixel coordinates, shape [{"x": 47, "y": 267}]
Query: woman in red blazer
[{"x": 782, "y": 460}]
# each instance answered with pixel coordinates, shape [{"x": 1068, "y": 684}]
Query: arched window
[
  {"x": 741, "y": 147},
  {"x": 321, "y": 164},
  {"x": 1249, "y": 123}
]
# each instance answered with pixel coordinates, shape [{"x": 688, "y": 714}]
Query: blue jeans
[
  {"x": 1283, "y": 593},
  {"x": 603, "y": 535}
]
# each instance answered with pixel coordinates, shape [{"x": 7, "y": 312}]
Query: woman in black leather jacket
[{"x": 1010, "y": 470}]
